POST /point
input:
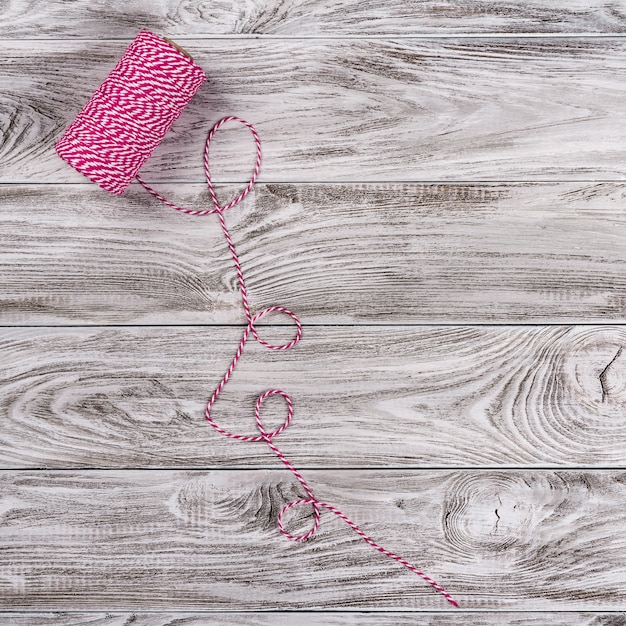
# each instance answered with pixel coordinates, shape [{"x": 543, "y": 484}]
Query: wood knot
[
  {"x": 490, "y": 514},
  {"x": 193, "y": 502},
  {"x": 570, "y": 403},
  {"x": 596, "y": 369}
]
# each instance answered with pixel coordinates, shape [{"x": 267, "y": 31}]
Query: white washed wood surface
[
  {"x": 412, "y": 253},
  {"x": 348, "y": 110},
  {"x": 85, "y": 18},
  {"x": 463, "y": 101},
  {"x": 364, "y": 397},
  {"x": 326, "y": 618},
  {"x": 120, "y": 540}
]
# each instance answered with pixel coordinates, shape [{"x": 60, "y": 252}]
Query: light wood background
[{"x": 442, "y": 202}]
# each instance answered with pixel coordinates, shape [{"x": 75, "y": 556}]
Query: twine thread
[
  {"x": 265, "y": 436},
  {"x": 112, "y": 137}
]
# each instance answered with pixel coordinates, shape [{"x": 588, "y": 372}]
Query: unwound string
[{"x": 265, "y": 436}]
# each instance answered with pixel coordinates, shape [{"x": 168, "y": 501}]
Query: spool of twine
[
  {"x": 130, "y": 113},
  {"x": 109, "y": 141}
]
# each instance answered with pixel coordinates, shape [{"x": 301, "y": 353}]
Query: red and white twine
[
  {"x": 130, "y": 113},
  {"x": 265, "y": 436},
  {"x": 109, "y": 141}
]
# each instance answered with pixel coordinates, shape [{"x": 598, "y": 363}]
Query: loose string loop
[
  {"x": 264, "y": 435},
  {"x": 207, "y": 171}
]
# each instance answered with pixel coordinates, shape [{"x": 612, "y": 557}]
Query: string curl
[
  {"x": 109, "y": 141},
  {"x": 265, "y": 436}
]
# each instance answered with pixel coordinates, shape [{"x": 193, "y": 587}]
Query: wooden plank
[
  {"x": 479, "y": 253},
  {"x": 137, "y": 540},
  {"x": 326, "y": 618},
  {"x": 364, "y": 397},
  {"x": 348, "y": 110},
  {"x": 83, "y": 19}
]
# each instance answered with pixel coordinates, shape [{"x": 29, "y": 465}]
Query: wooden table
[{"x": 442, "y": 204}]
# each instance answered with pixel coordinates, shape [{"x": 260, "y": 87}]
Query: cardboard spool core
[{"x": 182, "y": 50}]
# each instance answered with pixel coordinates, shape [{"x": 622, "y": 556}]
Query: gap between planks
[{"x": 425, "y": 36}]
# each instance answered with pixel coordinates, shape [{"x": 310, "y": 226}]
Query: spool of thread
[
  {"x": 109, "y": 141},
  {"x": 130, "y": 113}
]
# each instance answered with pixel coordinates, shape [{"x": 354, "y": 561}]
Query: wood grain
[
  {"x": 457, "y": 253},
  {"x": 364, "y": 397},
  {"x": 82, "y": 19},
  {"x": 326, "y": 618},
  {"x": 348, "y": 111},
  {"x": 507, "y": 441},
  {"x": 133, "y": 540}
]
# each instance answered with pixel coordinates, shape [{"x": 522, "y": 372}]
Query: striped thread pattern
[
  {"x": 130, "y": 113},
  {"x": 111, "y": 139},
  {"x": 264, "y": 436}
]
